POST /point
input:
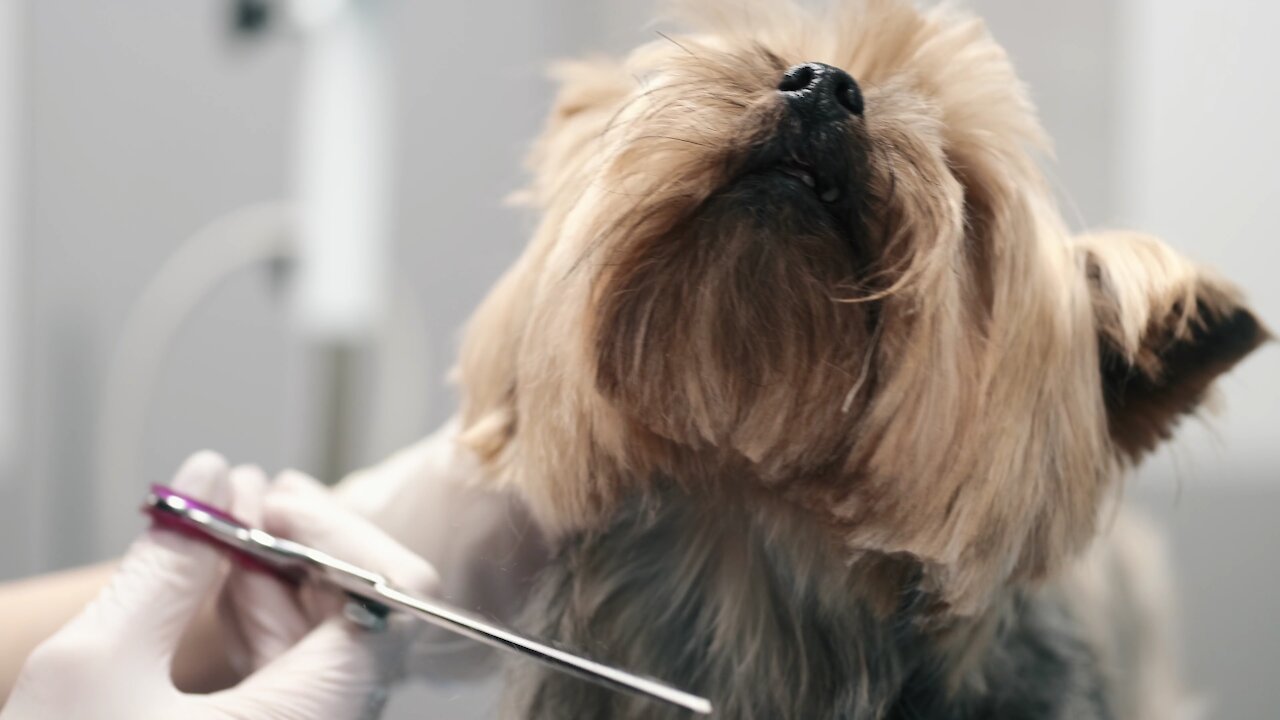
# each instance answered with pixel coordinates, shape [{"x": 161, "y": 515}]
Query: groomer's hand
[{"x": 112, "y": 662}]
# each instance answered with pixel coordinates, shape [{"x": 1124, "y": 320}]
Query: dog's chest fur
[{"x": 753, "y": 618}]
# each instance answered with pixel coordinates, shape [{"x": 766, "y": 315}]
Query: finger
[
  {"x": 338, "y": 670},
  {"x": 258, "y": 607},
  {"x": 248, "y": 487},
  {"x": 294, "y": 488},
  {"x": 301, "y": 484},
  {"x": 302, "y": 510},
  {"x": 165, "y": 577}
]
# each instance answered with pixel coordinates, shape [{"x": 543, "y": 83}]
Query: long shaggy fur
[{"x": 866, "y": 434}]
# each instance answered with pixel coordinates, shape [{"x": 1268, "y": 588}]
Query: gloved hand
[
  {"x": 434, "y": 498},
  {"x": 112, "y": 662}
]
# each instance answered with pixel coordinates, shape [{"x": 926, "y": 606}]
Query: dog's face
[{"x": 810, "y": 260}]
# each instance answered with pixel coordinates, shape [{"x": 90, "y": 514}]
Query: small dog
[{"x": 823, "y": 406}]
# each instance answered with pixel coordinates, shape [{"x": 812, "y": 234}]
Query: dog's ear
[
  {"x": 1166, "y": 330},
  {"x": 488, "y": 366}
]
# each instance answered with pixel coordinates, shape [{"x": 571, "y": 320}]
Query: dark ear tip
[
  {"x": 1225, "y": 329},
  {"x": 1265, "y": 335},
  {"x": 1144, "y": 407},
  {"x": 1228, "y": 330}
]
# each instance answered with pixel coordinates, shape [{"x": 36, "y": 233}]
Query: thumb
[
  {"x": 338, "y": 670},
  {"x": 165, "y": 577}
]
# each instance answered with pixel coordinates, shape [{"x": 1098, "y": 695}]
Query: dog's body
[
  {"x": 660, "y": 590},
  {"x": 820, "y": 402}
]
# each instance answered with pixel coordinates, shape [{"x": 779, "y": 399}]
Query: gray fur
[
  {"x": 1037, "y": 668},
  {"x": 747, "y": 613}
]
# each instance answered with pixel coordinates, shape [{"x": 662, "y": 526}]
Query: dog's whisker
[
  {"x": 674, "y": 139},
  {"x": 671, "y": 40}
]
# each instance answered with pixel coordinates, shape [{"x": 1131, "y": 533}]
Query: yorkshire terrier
[{"x": 823, "y": 406}]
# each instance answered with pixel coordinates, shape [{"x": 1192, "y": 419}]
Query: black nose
[{"x": 821, "y": 92}]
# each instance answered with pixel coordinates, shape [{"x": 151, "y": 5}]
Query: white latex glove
[
  {"x": 112, "y": 662},
  {"x": 434, "y": 498},
  {"x": 261, "y": 617}
]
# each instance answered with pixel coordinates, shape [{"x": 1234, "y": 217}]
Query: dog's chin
[
  {"x": 792, "y": 218},
  {"x": 785, "y": 189},
  {"x": 729, "y": 329}
]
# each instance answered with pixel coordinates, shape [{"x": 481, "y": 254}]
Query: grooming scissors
[{"x": 373, "y": 597}]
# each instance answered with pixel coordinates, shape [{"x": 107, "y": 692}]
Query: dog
[{"x": 825, "y": 410}]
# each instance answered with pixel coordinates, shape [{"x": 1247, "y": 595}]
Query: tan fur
[{"x": 939, "y": 402}]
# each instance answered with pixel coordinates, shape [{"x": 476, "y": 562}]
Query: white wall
[
  {"x": 1200, "y": 167},
  {"x": 10, "y": 204},
  {"x": 14, "y": 530}
]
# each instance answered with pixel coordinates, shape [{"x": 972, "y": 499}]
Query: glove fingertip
[
  {"x": 248, "y": 485},
  {"x": 279, "y": 514},
  {"x": 291, "y": 505},
  {"x": 204, "y": 477},
  {"x": 415, "y": 575},
  {"x": 296, "y": 481}
]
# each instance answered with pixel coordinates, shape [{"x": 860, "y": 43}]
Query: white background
[{"x": 10, "y": 199}]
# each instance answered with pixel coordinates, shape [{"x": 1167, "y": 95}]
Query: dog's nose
[{"x": 821, "y": 92}]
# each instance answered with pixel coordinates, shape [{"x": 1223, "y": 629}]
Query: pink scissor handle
[{"x": 161, "y": 516}]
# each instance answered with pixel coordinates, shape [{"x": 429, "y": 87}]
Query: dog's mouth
[
  {"x": 798, "y": 180},
  {"x": 826, "y": 191},
  {"x": 797, "y": 166},
  {"x": 819, "y": 187}
]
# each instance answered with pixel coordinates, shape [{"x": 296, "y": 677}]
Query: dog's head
[{"x": 810, "y": 259}]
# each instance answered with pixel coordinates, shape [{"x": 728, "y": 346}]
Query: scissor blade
[
  {"x": 458, "y": 621},
  {"x": 283, "y": 556}
]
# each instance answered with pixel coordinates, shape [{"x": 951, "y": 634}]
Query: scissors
[{"x": 373, "y": 598}]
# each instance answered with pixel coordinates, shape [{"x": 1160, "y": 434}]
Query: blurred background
[{"x": 126, "y": 128}]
